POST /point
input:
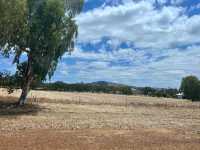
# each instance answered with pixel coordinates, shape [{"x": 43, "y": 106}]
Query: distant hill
[
  {"x": 148, "y": 91},
  {"x": 105, "y": 83},
  {"x": 98, "y": 87}
]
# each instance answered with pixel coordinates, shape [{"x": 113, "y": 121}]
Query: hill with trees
[
  {"x": 96, "y": 87},
  {"x": 190, "y": 86},
  {"x": 159, "y": 92}
]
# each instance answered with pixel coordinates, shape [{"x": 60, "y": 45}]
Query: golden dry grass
[{"x": 144, "y": 122}]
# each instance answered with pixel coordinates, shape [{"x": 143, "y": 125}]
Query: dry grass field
[{"x": 85, "y": 121}]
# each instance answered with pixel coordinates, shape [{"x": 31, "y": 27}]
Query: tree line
[
  {"x": 87, "y": 87},
  {"x": 190, "y": 87},
  {"x": 12, "y": 82},
  {"x": 159, "y": 92}
]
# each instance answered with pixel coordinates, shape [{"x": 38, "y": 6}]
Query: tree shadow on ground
[{"x": 9, "y": 107}]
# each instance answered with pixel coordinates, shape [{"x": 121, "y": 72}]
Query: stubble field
[{"x": 85, "y": 121}]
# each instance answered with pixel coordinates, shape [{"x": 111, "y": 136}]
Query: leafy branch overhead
[{"x": 44, "y": 30}]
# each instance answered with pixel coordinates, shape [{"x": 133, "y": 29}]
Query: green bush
[{"x": 191, "y": 88}]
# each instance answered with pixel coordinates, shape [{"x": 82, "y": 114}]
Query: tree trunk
[
  {"x": 27, "y": 83},
  {"x": 25, "y": 91}
]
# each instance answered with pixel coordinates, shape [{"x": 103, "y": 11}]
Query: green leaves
[
  {"x": 73, "y": 6},
  {"x": 191, "y": 87},
  {"x": 13, "y": 25},
  {"x": 46, "y": 27}
]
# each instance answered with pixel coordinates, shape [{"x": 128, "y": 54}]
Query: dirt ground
[
  {"x": 97, "y": 140},
  {"x": 85, "y": 121}
]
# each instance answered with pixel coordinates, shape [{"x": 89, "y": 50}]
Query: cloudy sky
[{"x": 136, "y": 42}]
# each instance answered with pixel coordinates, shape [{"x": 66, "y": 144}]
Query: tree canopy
[
  {"x": 45, "y": 29},
  {"x": 191, "y": 87},
  {"x": 42, "y": 29}
]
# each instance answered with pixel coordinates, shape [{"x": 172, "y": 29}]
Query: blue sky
[{"x": 136, "y": 42}]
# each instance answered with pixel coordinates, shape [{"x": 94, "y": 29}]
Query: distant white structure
[{"x": 180, "y": 95}]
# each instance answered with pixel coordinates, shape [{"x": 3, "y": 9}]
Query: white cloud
[
  {"x": 164, "y": 68},
  {"x": 142, "y": 24}
]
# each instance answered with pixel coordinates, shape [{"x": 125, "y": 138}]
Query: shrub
[{"x": 191, "y": 88}]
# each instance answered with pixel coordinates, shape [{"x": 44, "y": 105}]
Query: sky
[{"x": 136, "y": 42}]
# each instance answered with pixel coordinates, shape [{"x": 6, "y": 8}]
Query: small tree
[
  {"x": 191, "y": 87},
  {"x": 42, "y": 29}
]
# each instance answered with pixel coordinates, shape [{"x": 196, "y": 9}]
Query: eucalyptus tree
[{"x": 42, "y": 30}]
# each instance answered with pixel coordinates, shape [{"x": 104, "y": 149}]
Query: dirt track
[{"x": 74, "y": 121}]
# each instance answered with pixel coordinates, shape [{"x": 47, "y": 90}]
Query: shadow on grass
[{"x": 9, "y": 107}]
